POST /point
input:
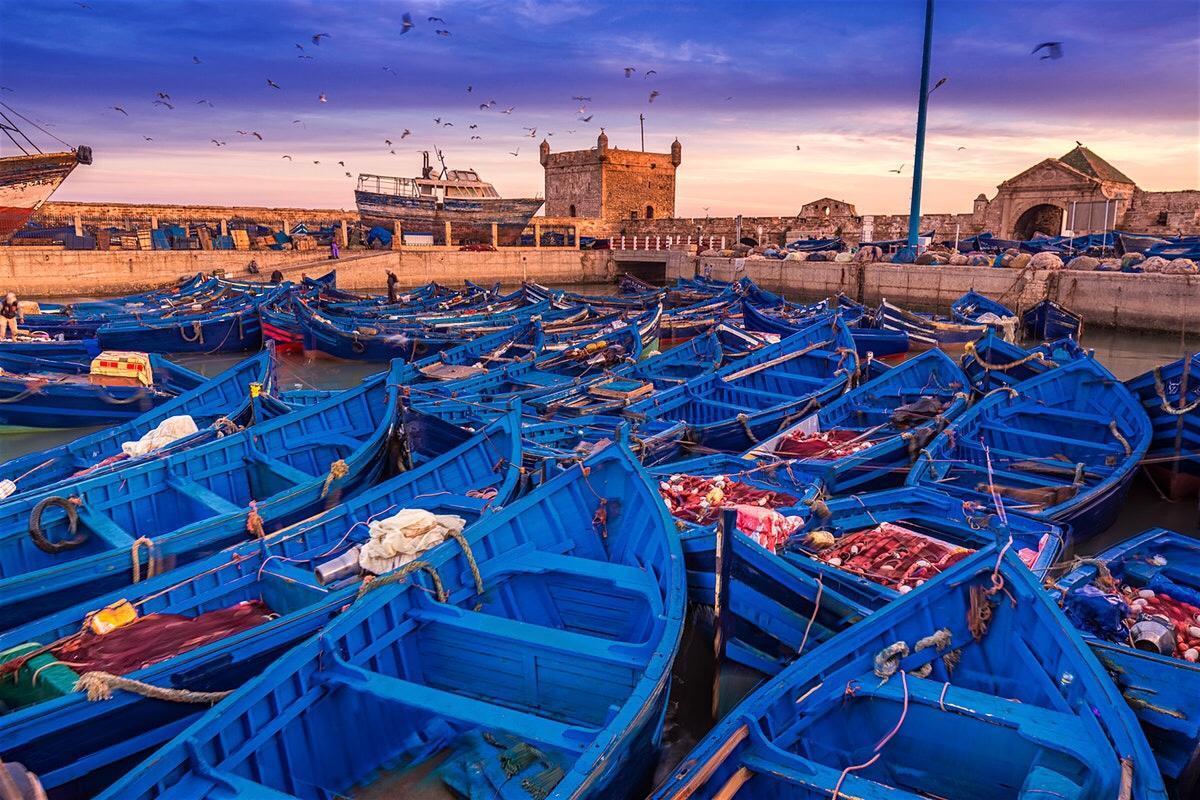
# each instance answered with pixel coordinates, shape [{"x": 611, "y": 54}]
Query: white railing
[{"x": 670, "y": 242}]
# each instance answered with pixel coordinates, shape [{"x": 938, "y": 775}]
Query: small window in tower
[
  {"x": 1162, "y": 218},
  {"x": 633, "y": 215},
  {"x": 827, "y": 211},
  {"x": 571, "y": 210},
  {"x": 653, "y": 165},
  {"x": 649, "y": 212}
]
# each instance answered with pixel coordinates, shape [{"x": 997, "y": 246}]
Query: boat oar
[{"x": 777, "y": 360}]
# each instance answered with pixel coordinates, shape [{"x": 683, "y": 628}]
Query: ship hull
[
  {"x": 25, "y": 183},
  {"x": 470, "y": 220}
]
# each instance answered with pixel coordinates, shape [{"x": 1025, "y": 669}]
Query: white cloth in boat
[
  {"x": 402, "y": 537},
  {"x": 167, "y": 431}
]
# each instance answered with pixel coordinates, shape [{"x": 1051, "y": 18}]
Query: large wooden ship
[
  {"x": 27, "y": 181},
  {"x": 458, "y": 196}
]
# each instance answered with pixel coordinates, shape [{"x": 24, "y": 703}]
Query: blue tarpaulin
[{"x": 379, "y": 234}]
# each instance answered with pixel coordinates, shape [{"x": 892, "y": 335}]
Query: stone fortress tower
[{"x": 610, "y": 184}]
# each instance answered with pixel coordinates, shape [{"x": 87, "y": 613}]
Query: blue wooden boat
[
  {"x": 868, "y": 340},
  {"x": 65, "y": 348},
  {"x": 1061, "y": 446},
  {"x": 1161, "y": 687},
  {"x": 582, "y": 585},
  {"x": 217, "y": 406},
  {"x": 551, "y": 445},
  {"x": 230, "y": 329},
  {"x": 774, "y": 612},
  {"x": 868, "y": 437},
  {"x": 1049, "y": 320},
  {"x": 972, "y": 686},
  {"x": 58, "y": 549},
  {"x": 761, "y": 394},
  {"x": 874, "y": 547},
  {"x": 52, "y": 393},
  {"x": 626, "y": 383},
  {"x": 927, "y": 330},
  {"x": 535, "y": 292},
  {"x": 992, "y": 362},
  {"x": 977, "y": 309},
  {"x": 1170, "y": 395},
  {"x": 280, "y": 590}
]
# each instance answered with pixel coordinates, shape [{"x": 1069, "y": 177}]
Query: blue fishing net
[{"x": 1098, "y": 613}]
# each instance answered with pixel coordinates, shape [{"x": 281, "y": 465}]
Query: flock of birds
[
  {"x": 583, "y": 113},
  {"x": 1049, "y": 50}
]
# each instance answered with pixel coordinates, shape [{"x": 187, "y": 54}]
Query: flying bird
[
  {"x": 484, "y": 106},
  {"x": 389, "y": 69},
  {"x": 442, "y": 32},
  {"x": 514, "y": 155},
  {"x": 653, "y": 95},
  {"x": 508, "y": 110},
  {"x": 218, "y": 144},
  {"x": 588, "y": 118},
  {"x": 729, "y": 98},
  {"x": 148, "y": 139},
  {"x": 472, "y": 127},
  {"x": 6, "y": 89},
  {"x": 469, "y": 88},
  {"x": 196, "y": 60},
  {"x": 305, "y": 58},
  {"x": 477, "y": 137},
  {"x": 963, "y": 147},
  {"x": 118, "y": 108},
  {"x": 341, "y": 163},
  {"x": 388, "y": 142},
  {"x": 163, "y": 103},
  {"x": 797, "y": 147},
  {"x": 1053, "y": 50},
  {"x": 163, "y": 96},
  {"x": 321, "y": 98},
  {"x": 436, "y": 19},
  {"x": 273, "y": 84},
  {"x": 629, "y": 71},
  {"x": 570, "y": 131},
  {"x": 289, "y": 158},
  {"x": 447, "y": 124},
  {"x": 256, "y": 135},
  {"x": 1078, "y": 143},
  {"x": 203, "y": 102},
  {"x": 316, "y": 162},
  {"x": 316, "y": 39},
  {"x": 650, "y": 72},
  {"x": 936, "y": 85},
  {"x": 300, "y": 122},
  {"x": 299, "y": 46},
  {"x": 393, "y": 152},
  {"x": 437, "y": 120},
  {"x": 898, "y": 171},
  {"x": 406, "y": 23},
  {"x": 406, "y": 132},
  {"x": 581, "y": 98},
  {"x": 348, "y": 175}
]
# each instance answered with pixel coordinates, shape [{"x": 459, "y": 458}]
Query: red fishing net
[
  {"x": 1184, "y": 617},
  {"x": 699, "y": 499},
  {"x": 156, "y": 637},
  {"x": 820, "y": 444},
  {"x": 893, "y": 555}
]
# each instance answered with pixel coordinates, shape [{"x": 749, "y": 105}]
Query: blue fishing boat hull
[
  {"x": 868, "y": 413},
  {"x": 225, "y": 396},
  {"x": 868, "y": 340},
  {"x": 52, "y": 393},
  {"x": 926, "y": 330},
  {"x": 222, "y": 332},
  {"x": 1049, "y": 320},
  {"x": 1062, "y": 446},
  {"x": 926, "y": 698},
  {"x": 78, "y": 747},
  {"x": 1161, "y": 689},
  {"x": 1170, "y": 395},
  {"x": 420, "y": 676},
  {"x": 992, "y": 362}
]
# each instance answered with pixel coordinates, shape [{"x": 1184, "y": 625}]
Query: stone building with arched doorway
[{"x": 1079, "y": 192}]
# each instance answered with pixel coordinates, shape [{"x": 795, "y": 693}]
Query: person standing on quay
[{"x": 10, "y": 315}]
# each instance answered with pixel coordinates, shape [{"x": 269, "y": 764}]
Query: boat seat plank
[
  {"x": 282, "y": 470},
  {"x": 1042, "y": 411},
  {"x": 202, "y": 495},
  {"x": 466, "y": 710},
  {"x": 621, "y": 576},
  {"x": 1000, "y": 428},
  {"x": 100, "y": 525},
  {"x": 540, "y": 638}
]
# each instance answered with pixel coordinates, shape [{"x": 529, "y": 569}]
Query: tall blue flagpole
[{"x": 914, "y": 211}]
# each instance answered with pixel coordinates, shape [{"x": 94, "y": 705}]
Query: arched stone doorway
[{"x": 1045, "y": 218}]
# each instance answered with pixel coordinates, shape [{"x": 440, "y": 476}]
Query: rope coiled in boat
[{"x": 100, "y": 685}]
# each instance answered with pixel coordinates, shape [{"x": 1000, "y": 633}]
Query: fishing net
[{"x": 157, "y": 637}]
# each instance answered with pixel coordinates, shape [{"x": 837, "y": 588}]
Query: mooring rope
[
  {"x": 1161, "y": 391},
  {"x": 100, "y": 685}
]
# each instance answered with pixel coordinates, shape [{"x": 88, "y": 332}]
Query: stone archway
[{"x": 1043, "y": 218}]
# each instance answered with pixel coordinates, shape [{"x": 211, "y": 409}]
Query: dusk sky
[{"x": 741, "y": 85}]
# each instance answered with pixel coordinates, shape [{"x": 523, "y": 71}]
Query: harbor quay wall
[
  {"x": 39, "y": 272},
  {"x": 1146, "y": 302}
]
